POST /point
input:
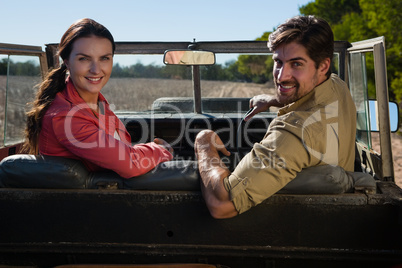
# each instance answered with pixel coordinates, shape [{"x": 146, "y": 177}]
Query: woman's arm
[{"x": 81, "y": 136}]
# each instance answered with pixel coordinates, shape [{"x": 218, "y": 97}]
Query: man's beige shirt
[{"x": 318, "y": 129}]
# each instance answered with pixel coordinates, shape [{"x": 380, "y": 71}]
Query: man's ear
[{"x": 324, "y": 66}]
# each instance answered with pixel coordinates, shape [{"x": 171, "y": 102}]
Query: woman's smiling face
[
  {"x": 90, "y": 66},
  {"x": 295, "y": 73}
]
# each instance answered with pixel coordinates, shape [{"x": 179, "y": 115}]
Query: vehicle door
[
  {"x": 367, "y": 78},
  {"x": 21, "y": 69}
]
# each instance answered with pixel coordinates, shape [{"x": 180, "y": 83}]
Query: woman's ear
[{"x": 67, "y": 64}]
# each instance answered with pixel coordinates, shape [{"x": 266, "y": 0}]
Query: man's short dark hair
[{"x": 312, "y": 32}]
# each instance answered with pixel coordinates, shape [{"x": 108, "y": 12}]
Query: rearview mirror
[
  {"x": 393, "y": 116},
  {"x": 188, "y": 57}
]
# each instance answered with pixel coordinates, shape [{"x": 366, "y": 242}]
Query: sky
[
  {"x": 40, "y": 22},
  {"x": 44, "y": 21}
]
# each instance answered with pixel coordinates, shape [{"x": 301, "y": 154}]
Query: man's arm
[
  {"x": 213, "y": 171},
  {"x": 261, "y": 103}
]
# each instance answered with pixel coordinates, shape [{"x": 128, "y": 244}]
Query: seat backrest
[
  {"x": 37, "y": 171},
  {"x": 52, "y": 172}
]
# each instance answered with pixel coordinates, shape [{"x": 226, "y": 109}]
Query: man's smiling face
[{"x": 295, "y": 73}]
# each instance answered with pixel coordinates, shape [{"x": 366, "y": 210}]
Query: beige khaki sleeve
[{"x": 269, "y": 166}]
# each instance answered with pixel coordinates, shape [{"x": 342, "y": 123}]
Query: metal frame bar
[
  {"x": 377, "y": 46},
  {"x": 216, "y": 47},
  {"x": 10, "y": 49},
  {"x": 383, "y": 110}
]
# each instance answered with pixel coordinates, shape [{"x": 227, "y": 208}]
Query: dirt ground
[{"x": 396, "y": 140}]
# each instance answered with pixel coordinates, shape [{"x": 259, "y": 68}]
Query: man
[{"x": 316, "y": 123}]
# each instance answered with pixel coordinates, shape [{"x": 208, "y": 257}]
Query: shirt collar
[{"x": 71, "y": 93}]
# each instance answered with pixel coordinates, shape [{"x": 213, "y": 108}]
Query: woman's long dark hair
[{"x": 54, "y": 81}]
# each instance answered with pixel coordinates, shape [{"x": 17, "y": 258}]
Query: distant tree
[
  {"x": 213, "y": 72},
  {"x": 3, "y": 66},
  {"x": 384, "y": 19},
  {"x": 331, "y": 10},
  {"x": 256, "y": 68},
  {"x": 253, "y": 67},
  {"x": 367, "y": 19},
  {"x": 28, "y": 68},
  {"x": 117, "y": 71},
  {"x": 232, "y": 72},
  {"x": 176, "y": 72}
]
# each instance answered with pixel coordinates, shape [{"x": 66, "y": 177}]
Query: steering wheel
[{"x": 239, "y": 130}]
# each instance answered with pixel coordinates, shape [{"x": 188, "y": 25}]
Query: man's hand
[
  {"x": 164, "y": 144},
  {"x": 208, "y": 140},
  {"x": 261, "y": 103},
  {"x": 212, "y": 170}
]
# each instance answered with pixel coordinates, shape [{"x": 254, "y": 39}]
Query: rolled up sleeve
[{"x": 269, "y": 166}]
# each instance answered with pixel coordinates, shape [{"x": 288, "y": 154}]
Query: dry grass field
[
  {"x": 22, "y": 91},
  {"x": 139, "y": 94}
]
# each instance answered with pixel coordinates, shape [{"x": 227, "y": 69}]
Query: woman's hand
[{"x": 164, "y": 144}]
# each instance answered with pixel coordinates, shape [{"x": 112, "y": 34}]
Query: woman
[{"x": 71, "y": 118}]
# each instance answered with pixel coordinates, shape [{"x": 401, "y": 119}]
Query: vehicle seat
[
  {"x": 37, "y": 171},
  {"x": 209, "y": 105}
]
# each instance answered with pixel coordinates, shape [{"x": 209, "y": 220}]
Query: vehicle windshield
[
  {"x": 141, "y": 83},
  {"x": 138, "y": 81}
]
